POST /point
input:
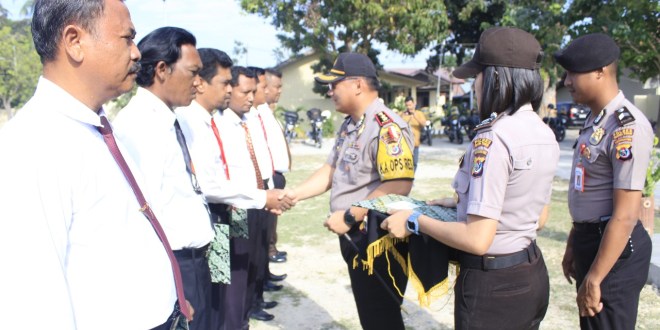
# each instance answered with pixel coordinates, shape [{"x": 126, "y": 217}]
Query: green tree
[
  {"x": 332, "y": 26},
  {"x": 633, "y": 24},
  {"x": 19, "y": 64}
]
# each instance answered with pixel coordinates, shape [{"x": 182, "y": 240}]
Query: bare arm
[
  {"x": 543, "y": 217},
  {"x": 316, "y": 184}
]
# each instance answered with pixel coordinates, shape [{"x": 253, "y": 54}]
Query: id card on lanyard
[{"x": 580, "y": 173}]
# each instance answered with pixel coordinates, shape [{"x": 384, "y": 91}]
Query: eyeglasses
[{"x": 333, "y": 85}]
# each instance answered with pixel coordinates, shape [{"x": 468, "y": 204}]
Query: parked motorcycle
[
  {"x": 316, "y": 119},
  {"x": 452, "y": 128},
  {"x": 290, "y": 123},
  {"x": 427, "y": 133},
  {"x": 470, "y": 123},
  {"x": 558, "y": 126}
]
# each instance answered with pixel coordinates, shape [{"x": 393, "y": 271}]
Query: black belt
[
  {"x": 529, "y": 254},
  {"x": 592, "y": 227},
  {"x": 220, "y": 213},
  {"x": 191, "y": 253}
]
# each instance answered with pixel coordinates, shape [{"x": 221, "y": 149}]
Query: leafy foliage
[
  {"x": 19, "y": 63},
  {"x": 332, "y": 26}
]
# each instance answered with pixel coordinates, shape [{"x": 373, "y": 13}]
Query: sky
[{"x": 218, "y": 24}]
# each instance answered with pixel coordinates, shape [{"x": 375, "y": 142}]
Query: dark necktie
[
  {"x": 253, "y": 156},
  {"x": 190, "y": 168},
  {"x": 109, "y": 139}
]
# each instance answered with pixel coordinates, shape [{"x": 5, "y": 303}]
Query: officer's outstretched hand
[
  {"x": 588, "y": 298},
  {"x": 275, "y": 204},
  {"x": 290, "y": 194},
  {"x": 335, "y": 223},
  {"x": 396, "y": 223}
]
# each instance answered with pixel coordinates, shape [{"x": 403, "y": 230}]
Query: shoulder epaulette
[
  {"x": 488, "y": 122},
  {"x": 623, "y": 116},
  {"x": 383, "y": 118}
]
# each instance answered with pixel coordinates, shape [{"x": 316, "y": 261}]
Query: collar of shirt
[
  {"x": 67, "y": 104},
  {"x": 609, "y": 110},
  {"x": 195, "y": 111},
  {"x": 231, "y": 117},
  {"x": 150, "y": 102}
]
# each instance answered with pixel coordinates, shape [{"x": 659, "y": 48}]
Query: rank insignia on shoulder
[
  {"x": 479, "y": 160},
  {"x": 596, "y": 136},
  {"x": 383, "y": 118},
  {"x": 623, "y": 116},
  {"x": 488, "y": 122}
]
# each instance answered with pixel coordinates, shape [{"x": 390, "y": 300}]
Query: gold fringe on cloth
[{"x": 386, "y": 244}]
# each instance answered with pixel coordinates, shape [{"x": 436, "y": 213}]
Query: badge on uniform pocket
[{"x": 579, "y": 178}]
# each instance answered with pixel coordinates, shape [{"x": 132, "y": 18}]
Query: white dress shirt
[
  {"x": 195, "y": 123},
  {"x": 240, "y": 164},
  {"x": 75, "y": 247},
  {"x": 146, "y": 127},
  {"x": 276, "y": 142},
  {"x": 258, "y": 134}
]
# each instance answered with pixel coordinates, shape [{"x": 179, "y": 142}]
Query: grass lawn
[{"x": 301, "y": 232}]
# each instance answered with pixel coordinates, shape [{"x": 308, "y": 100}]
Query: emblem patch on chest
[{"x": 596, "y": 136}]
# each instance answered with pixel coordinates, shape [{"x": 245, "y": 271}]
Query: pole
[{"x": 380, "y": 278}]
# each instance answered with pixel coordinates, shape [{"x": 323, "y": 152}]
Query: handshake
[{"x": 280, "y": 200}]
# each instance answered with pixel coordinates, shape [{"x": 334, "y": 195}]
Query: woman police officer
[{"x": 503, "y": 187}]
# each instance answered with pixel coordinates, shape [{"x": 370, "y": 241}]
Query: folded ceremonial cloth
[
  {"x": 427, "y": 260},
  {"x": 218, "y": 253}
]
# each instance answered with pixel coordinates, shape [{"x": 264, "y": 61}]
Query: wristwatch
[
  {"x": 412, "y": 224},
  {"x": 349, "y": 219}
]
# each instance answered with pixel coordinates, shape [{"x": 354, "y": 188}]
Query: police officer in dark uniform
[
  {"x": 371, "y": 157},
  {"x": 608, "y": 251}
]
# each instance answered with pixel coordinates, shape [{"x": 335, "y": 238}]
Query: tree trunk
[{"x": 647, "y": 213}]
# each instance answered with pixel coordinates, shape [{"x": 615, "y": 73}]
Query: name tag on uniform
[{"x": 579, "y": 178}]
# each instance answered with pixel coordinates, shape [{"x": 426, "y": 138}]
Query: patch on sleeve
[
  {"x": 479, "y": 160},
  {"x": 622, "y": 139},
  {"x": 394, "y": 157},
  {"x": 481, "y": 142}
]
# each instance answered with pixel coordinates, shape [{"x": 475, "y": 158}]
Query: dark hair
[
  {"x": 373, "y": 83},
  {"x": 163, "y": 44},
  {"x": 50, "y": 17},
  {"x": 211, "y": 59},
  {"x": 409, "y": 98},
  {"x": 257, "y": 72},
  {"x": 507, "y": 88},
  {"x": 273, "y": 72},
  {"x": 237, "y": 71}
]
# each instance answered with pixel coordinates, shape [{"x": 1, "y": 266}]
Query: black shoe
[
  {"x": 281, "y": 253},
  {"x": 276, "y": 278},
  {"x": 277, "y": 258},
  {"x": 261, "y": 315},
  {"x": 270, "y": 286},
  {"x": 268, "y": 304}
]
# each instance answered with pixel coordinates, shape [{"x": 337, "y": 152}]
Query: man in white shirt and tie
[
  {"x": 148, "y": 127},
  {"x": 221, "y": 187},
  {"x": 78, "y": 252}
]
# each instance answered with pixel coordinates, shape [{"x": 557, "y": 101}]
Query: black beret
[{"x": 588, "y": 53}]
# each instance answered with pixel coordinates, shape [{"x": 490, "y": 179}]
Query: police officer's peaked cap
[
  {"x": 588, "y": 53},
  {"x": 503, "y": 46},
  {"x": 348, "y": 65}
]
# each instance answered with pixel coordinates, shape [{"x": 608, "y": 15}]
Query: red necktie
[
  {"x": 109, "y": 139},
  {"x": 253, "y": 156},
  {"x": 222, "y": 149}
]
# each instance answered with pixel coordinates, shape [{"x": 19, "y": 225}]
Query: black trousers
[
  {"x": 621, "y": 287},
  {"x": 280, "y": 182},
  {"x": 258, "y": 269},
  {"x": 196, "y": 284},
  {"x": 509, "y": 298},
  {"x": 377, "y": 308},
  {"x": 235, "y": 311}
]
